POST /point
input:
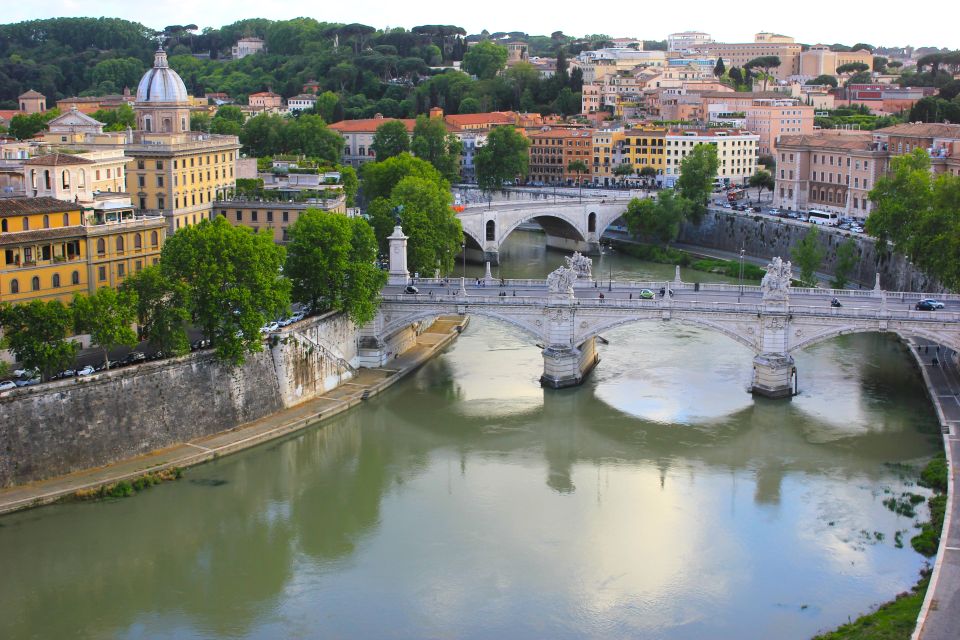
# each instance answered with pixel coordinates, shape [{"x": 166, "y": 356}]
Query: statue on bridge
[
  {"x": 776, "y": 283},
  {"x": 561, "y": 280},
  {"x": 581, "y": 265}
]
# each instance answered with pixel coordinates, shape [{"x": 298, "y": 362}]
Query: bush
[
  {"x": 934, "y": 475},
  {"x": 928, "y": 540}
]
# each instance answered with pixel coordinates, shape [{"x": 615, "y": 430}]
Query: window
[
  {"x": 101, "y": 247},
  {"x": 159, "y": 181},
  {"x": 154, "y": 239},
  {"x": 46, "y": 221},
  {"x": 139, "y": 266},
  {"x": 35, "y": 283},
  {"x": 253, "y": 216},
  {"x": 286, "y": 216},
  {"x": 121, "y": 268},
  {"x": 139, "y": 166},
  {"x": 137, "y": 242},
  {"x": 239, "y": 216},
  {"x": 161, "y": 202},
  {"x": 3, "y": 225},
  {"x": 141, "y": 181},
  {"x": 269, "y": 216},
  {"x": 75, "y": 277},
  {"x": 14, "y": 286},
  {"x": 46, "y": 179},
  {"x": 101, "y": 273},
  {"x": 66, "y": 219},
  {"x": 56, "y": 281},
  {"x": 159, "y": 165},
  {"x": 65, "y": 179},
  {"x": 119, "y": 244}
]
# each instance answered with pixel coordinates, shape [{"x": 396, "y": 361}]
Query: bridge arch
[
  {"x": 397, "y": 323},
  {"x": 902, "y": 333},
  {"x": 556, "y": 223},
  {"x": 593, "y": 330}
]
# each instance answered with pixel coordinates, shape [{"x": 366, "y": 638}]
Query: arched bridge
[
  {"x": 572, "y": 226},
  {"x": 564, "y": 314}
]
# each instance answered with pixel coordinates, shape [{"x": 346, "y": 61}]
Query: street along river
[{"x": 658, "y": 500}]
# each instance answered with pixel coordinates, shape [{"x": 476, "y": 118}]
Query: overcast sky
[{"x": 881, "y": 22}]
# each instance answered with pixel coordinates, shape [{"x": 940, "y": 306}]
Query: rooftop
[
  {"x": 922, "y": 130},
  {"x": 57, "y": 160},
  {"x": 848, "y": 142},
  {"x": 369, "y": 125},
  {"x": 41, "y": 234},
  {"x": 26, "y": 206}
]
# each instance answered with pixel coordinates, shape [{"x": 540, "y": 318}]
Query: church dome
[{"x": 161, "y": 83}]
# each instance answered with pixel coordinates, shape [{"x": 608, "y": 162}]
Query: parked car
[
  {"x": 66, "y": 373},
  {"x": 926, "y": 305},
  {"x": 25, "y": 373},
  {"x": 26, "y": 382},
  {"x": 86, "y": 371},
  {"x": 134, "y": 357},
  {"x": 411, "y": 289},
  {"x": 646, "y": 294},
  {"x": 774, "y": 212},
  {"x": 856, "y": 228},
  {"x": 202, "y": 343},
  {"x": 6, "y": 385},
  {"x": 269, "y": 328}
]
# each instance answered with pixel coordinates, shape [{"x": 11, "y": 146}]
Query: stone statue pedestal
[
  {"x": 567, "y": 366},
  {"x": 774, "y": 375},
  {"x": 398, "y": 274}
]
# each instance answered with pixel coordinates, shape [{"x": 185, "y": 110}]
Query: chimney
[{"x": 436, "y": 112}]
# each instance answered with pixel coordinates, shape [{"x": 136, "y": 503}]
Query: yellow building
[
  {"x": 53, "y": 249},
  {"x": 641, "y": 148},
  {"x": 276, "y": 217},
  {"x": 603, "y": 143}
]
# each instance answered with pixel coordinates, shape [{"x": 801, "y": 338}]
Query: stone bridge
[
  {"x": 565, "y": 313},
  {"x": 571, "y": 226}
]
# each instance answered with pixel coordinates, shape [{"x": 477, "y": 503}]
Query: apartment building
[
  {"x": 764, "y": 44},
  {"x": 551, "y": 152},
  {"x": 736, "y": 152},
  {"x": 276, "y": 217},
  {"x": 686, "y": 41},
  {"x": 820, "y": 60}
]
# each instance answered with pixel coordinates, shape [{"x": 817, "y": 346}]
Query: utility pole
[{"x": 741, "y": 271}]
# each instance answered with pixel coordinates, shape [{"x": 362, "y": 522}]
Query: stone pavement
[
  {"x": 940, "y": 615},
  {"x": 368, "y": 382}
]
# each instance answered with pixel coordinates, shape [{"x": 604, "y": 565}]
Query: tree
[
  {"x": 36, "y": 333},
  {"x": 766, "y": 63},
  {"x": 880, "y": 64},
  {"x": 108, "y": 316},
  {"x": 623, "y": 170},
  {"x": 233, "y": 276},
  {"x": 469, "y": 105},
  {"x": 432, "y": 143},
  {"x": 762, "y": 180},
  {"x": 852, "y": 67},
  {"x": 199, "y": 122},
  {"x": 379, "y": 178},
  {"x": 579, "y": 167},
  {"x": 117, "y": 119},
  {"x": 503, "y": 157},
  {"x": 824, "y": 80},
  {"x": 485, "y": 59},
  {"x": 697, "y": 173},
  {"x": 846, "y": 261},
  {"x": 427, "y": 218},
  {"x": 647, "y": 173},
  {"x": 350, "y": 184},
  {"x": 863, "y": 77},
  {"x": 163, "y": 309},
  {"x": 391, "y": 139},
  {"x": 719, "y": 69},
  {"x": 656, "y": 220},
  {"x": 808, "y": 255},
  {"x": 331, "y": 263},
  {"x": 24, "y": 126}
]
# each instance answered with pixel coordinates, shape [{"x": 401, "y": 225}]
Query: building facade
[
  {"x": 274, "y": 217},
  {"x": 736, "y": 152},
  {"x": 552, "y": 150},
  {"x": 247, "y": 47},
  {"x": 32, "y": 102}
]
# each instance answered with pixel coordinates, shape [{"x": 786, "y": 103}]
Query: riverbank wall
[
  {"x": 766, "y": 237},
  {"x": 79, "y": 423}
]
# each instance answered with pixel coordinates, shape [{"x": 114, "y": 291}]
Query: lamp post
[
  {"x": 463, "y": 248},
  {"x": 741, "y": 270}
]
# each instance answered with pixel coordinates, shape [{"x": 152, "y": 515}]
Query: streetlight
[
  {"x": 463, "y": 248},
  {"x": 741, "y": 270}
]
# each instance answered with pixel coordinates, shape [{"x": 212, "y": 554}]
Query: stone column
[
  {"x": 488, "y": 275},
  {"x": 565, "y": 365},
  {"x": 398, "y": 274},
  {"x": 774, "y": 375},
  {"x": 371, "y": 350}
]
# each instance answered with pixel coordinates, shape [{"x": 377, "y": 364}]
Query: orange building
[{"x": 551, "y": 152}]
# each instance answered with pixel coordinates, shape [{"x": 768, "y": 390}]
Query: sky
[{"x": 880, "y": 22}]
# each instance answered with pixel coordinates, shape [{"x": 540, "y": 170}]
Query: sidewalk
[
  {"x": 939, "y": 617},
  {"x": 367, "y": 383}
]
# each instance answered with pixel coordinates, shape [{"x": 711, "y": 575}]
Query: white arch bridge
[
  {"x": 569, "y": 225},
  {"x": 565, "y": 318}
]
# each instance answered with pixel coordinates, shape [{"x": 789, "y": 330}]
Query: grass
[
  {"x": 667, "y": 255},
  {"x": 896, "y": 620},
  {"x": 127, "y": 488}
]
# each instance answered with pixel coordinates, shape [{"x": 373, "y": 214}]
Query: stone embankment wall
[
  {"x": 765, "y": 237},
  {"x": 79, "y": 423}
]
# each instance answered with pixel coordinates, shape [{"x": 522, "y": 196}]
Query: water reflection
[{"x": 658, "y": 500}]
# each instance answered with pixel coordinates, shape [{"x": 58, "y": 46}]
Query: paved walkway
[
  {"x": 368, "y": 382},
  {"x": 940, "y": 616}
]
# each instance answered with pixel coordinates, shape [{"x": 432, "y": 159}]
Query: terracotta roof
[
  {"x": 922, "y": 130},
  {"x": 563, "y": 133},
  {"x": 368, "y": 125},
  {"x": 746, "y": 95},
  {"x": 493, "y": 118},
  {"x": 303, "y": 96},
  {"x": 26, "y": 206},
  {"x": 7, "y": 114},
  {"x": 266, "y": 93},
  {"x": 31, "y": 94},
  {"x": 41, "y": 234},
  {"x": 57, "y": 160},
  {"x": 846, "y": 142}
]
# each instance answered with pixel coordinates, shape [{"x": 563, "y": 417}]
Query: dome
[{"x": 161, "y": 83}]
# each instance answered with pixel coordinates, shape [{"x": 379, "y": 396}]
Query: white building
[
  {"x": 247, "y": 47},
  {"x": 736, "y": 151},
  {"x": 687, "y": 41},
  {"x": 302, "y": 102}
]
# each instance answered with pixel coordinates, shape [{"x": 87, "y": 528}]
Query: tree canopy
[
  {"x": 37, "y": 333},
  {"x": 391, "y": 139},
  {"x": 502, "y": 158},
  {"x": 432, "y": 143},
  {"x": 107, "y": 315},
  {"x": 485, "y": 59},
  {"x": 698, "y": 170}
]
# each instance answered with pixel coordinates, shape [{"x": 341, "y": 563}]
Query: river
[{"x": 658, "y": 500}]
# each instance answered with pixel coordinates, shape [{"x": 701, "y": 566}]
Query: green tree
[
  {"x": 579, "y": 167},
  {"x": 762, "y": 180},
  {"x": 24, "y": 126},
  {"x": 808, "y": 255},
  {"x": 485, "y": 59},
  {"x": 719, "y": 69},
  {"x": 470, "y": 105},
  {"x": 116, "y": 119},
  {"x": 379, "y": 178},
  {"x": 234, "y": 280},
  {"x": 108, "y": 316},
  {"x": 898, "y": 196},
  {"x": 648, "y": 173},
  {"x": 432, "y": 143},
  {"x": 331, "y": 262},
  {"x": 824, "y": 80},
  {"x": 427, "y": 218},
  {"x": 121, "y": 72},
  {"x": 503, "y": 157},
  {"x": 698, "y": 170},
  {"x": 350, "y": 183},
  {"x": 310, "y": 136},
  {"x": 767, "y": 63},
  {"x": 852, "y": 67},
  {"x": 391, "y": 139},
  {"x": 36, "y": 332},
  {"x": 200, "y": 122},
  {"x": 656, "y": 220},
  {"x": 623, "y": 170},
  {"x": 846, "y": 261},
  {"x": 163, "y": 309}
]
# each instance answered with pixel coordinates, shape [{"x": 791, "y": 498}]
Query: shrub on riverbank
[
  {"x": 666, "y": 255},
  {"x": 128, "y": 488}
]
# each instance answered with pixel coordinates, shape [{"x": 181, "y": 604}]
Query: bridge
[
  {"x": 570, "y": 225},
  {"x": 565, "y": 313}
]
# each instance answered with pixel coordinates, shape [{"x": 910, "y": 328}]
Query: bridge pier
[
  {"x": 774, "y": 375},
  {"x": 568, "y": 366}
]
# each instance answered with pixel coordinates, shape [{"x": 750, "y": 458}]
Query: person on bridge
[{"x": 601, "y": 298}]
